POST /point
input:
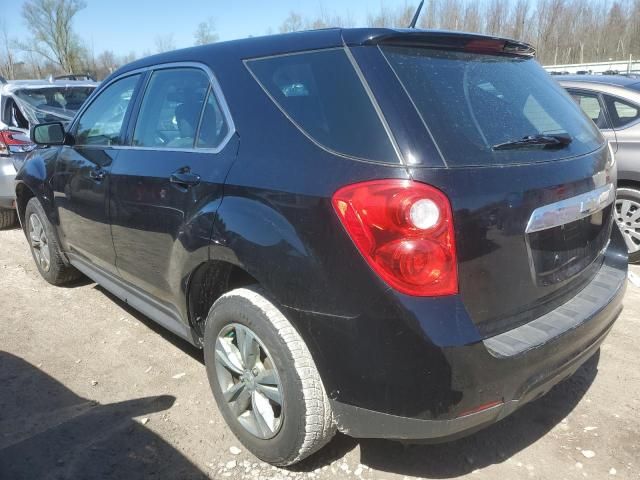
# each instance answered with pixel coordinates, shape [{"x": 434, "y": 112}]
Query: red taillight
[
  {"x": 404, "y": 230},
  {"x": 14, "y": 142}
]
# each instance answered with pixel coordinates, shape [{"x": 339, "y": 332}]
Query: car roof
[
  {"x": 613, "y": 80},
  {"x": 270, "y": 45}
]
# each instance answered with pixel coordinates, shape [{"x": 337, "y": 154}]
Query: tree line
[
  {"x": 563, "y": 31},
  {"x": 53, "y": 47}
]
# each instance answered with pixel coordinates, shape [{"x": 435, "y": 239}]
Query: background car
[
  {"x": 24, "y": 103},
  {"x": 613, "y": 103}
]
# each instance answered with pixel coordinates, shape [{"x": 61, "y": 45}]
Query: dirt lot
[{"x": 91, "y": 389}]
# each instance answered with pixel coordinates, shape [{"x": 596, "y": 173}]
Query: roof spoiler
[{"x": 440, "y": 39}]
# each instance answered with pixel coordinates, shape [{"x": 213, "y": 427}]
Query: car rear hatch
[{"x": 530, "y": 178}]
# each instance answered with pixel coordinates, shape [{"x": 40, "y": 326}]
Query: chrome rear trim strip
[{"x": 571, "y": 209}]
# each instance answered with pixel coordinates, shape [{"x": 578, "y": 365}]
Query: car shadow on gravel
[
  {"x": 492, "y": 445},
  {"x": 47, "y": 431}
]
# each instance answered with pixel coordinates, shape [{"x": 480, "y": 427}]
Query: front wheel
[
  {"x": 264, "y": 380},
  {"x": 44, "y": 246},
  {"x": 628, "y": 219}
]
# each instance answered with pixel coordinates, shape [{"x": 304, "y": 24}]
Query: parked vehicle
[
  {"x": 396, "y": 233},
  {"x": 24, "y": 103},
  {"x": 613, "y": 103}
]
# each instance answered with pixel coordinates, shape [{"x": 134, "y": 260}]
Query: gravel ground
[{"x": 91, "y": 389}]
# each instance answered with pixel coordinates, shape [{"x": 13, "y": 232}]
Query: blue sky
[{"x": 132, "y": 25}]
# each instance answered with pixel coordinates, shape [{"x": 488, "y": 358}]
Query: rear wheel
[
  {"x": 7, "y": 218},
  {"x": 44, "y": 246},
  {"x": 628, "y": 219},
  {"x": 264, "y": 380}
]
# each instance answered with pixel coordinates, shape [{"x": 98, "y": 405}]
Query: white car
[{"x": 23, "y": 104}]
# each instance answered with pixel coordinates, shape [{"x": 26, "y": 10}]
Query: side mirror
[{"x": 48, "y": 134}]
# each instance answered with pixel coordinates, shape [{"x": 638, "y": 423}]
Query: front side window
[
  {"x": 171, "y": 109},
  {"x": 622, "y": 112},
  {"x": 473, "y": 104},
  {"x": 101, "y": 123},
  {"x": 321, "y": 93},
  {"x": 590, "y": 105}
]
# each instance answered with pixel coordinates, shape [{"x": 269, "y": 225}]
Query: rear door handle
[{"x": 185, "y": 178}]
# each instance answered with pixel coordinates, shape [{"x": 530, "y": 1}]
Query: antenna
[{"x": 416, "y": 15}]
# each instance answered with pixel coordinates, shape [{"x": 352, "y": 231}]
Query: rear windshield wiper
[{"x": 535, "y": 141}]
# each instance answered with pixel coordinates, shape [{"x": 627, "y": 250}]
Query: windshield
[
  {"x": 472, "y": 102},
  {"x": 51, "y": 103}
]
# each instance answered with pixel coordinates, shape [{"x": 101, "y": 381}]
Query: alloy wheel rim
[
  {"x": 39, "y": 242},
  {"x": 628, "y": 219},
  {"x": 249, "y": 381}
]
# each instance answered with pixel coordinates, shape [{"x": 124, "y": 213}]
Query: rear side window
[
  {"x": 590, "y": 104},
  {"x": 323, "y": 96},
  {"x": 622, "y": 112},
  {"x": 473, "y": 102}
]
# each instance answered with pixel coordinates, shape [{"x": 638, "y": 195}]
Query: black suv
[{"x": 396, "y": 233}]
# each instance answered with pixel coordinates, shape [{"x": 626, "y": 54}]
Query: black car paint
[{"x": 264, "y": 206}]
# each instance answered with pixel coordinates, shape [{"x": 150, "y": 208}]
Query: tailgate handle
[{"x": 571, "y": 209}]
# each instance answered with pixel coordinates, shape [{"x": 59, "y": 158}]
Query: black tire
[
  {"x": 625, "y": 193},
  {"x": 57, "y": 273},
  {"x": 7, "y": 218},
  {"x": 307, "y": 423}
]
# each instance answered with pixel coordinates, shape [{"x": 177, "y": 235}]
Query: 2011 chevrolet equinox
[{"x": 393, "y": 233}]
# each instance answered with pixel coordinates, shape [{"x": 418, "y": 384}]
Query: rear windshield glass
[
  {"x": 321, "y": 93},
  {"x": 471, "y": 103},
  {"x": 53, "y": 103}
]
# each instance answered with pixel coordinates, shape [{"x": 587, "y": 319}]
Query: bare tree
[
  {"x": 292, "y": 23},
  {"x": 519, "y": 19},
  {"x": 107, "y": 64},
  {"x": 497, "y": 13},
  {"x": 51, "y": 24},
  {"x": 472, "y": 17},
  {"x": 7, "y": 57},
  {"x": 164, "y": 43},
  {"x": 206, "y": 32},
  {"x": 387, "y": 17}
]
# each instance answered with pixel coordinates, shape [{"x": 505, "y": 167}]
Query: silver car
[
  {"x": 613, "y": 103},
  {"x": 24, "y": 103}
]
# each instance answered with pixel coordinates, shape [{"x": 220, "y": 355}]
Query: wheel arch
[
  {"x": 634, "y": 184},
  {"x": 32, "y": 181},
  {"x": 23, "y": 194},
  {"x": 208, "y": 282}
]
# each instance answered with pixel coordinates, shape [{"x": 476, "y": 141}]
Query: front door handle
[
  {"x": 185, "y": 178},
  {"x": 97, "y": 174}
]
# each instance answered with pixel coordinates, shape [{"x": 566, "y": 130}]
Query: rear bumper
[
  {"x": 363, "y": 423},
  {"x": 509, "y": 369}
]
